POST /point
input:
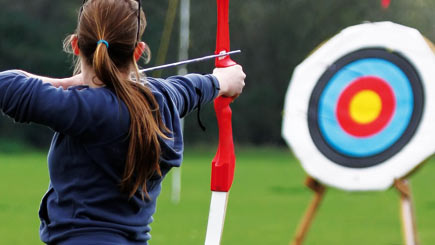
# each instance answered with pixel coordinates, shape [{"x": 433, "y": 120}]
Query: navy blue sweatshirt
[{"x": 83, "y": 204}]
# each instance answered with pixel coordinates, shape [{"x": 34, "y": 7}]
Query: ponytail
[
  {"x": 108, "y": 44},
  {"x": 145, "y": 127}
]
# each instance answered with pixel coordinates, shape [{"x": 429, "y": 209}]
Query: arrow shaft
[{"x": 190, "y": 61}]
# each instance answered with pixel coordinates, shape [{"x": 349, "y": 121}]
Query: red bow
[
  {"x": 223, "y": 164},
  {"x": 224, "y": 161},
  {"x": 385, "y": 3}
]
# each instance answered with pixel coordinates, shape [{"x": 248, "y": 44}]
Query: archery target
[
  {"x": 357, "y": 110},
  {"x": 365, "y": 108}
]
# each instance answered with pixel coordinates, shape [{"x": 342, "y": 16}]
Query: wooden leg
[
  {"x": 305, "y": 223},
  {"x": 409, "y": 226}
]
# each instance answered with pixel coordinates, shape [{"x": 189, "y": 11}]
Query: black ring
[{"x": 369, "y": 161}]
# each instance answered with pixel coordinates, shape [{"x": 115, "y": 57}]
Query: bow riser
[{"x": 223, "y": 163}]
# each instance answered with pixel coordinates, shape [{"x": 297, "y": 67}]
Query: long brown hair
[{"x": 116, "y": 22}]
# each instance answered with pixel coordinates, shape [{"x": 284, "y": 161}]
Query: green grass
[
  {"x": 23, "y": 181},
  {"x": 266, "y": 203}
]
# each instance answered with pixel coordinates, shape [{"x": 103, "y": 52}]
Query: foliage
[{"x": 275, "y": 36}]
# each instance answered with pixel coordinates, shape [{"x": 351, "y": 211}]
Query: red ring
[{"x": 342, "y": 110}]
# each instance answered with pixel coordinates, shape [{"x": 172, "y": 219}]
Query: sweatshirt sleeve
[
  {"x": 189, "y": 91},
  {"x": 71, "y": 111}
]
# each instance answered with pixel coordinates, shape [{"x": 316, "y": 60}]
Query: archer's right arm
[{"x": 77, "y": 111}]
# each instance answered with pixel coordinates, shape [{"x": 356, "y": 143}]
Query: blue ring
[
  {"x": 417, "y": 92},
  {"x": 353, "y": 146},
  {"x": 103, "y": 41}
]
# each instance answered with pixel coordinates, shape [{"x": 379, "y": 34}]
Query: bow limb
[{"x": 223, "y": 164}]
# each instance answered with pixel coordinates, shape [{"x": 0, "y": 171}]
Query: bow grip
[{"x": 223, "y": 164}]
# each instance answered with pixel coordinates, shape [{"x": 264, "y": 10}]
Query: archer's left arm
[{"x": 187, "y": 92}]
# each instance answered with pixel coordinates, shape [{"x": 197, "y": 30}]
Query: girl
[{"x": 115, "y": 137}]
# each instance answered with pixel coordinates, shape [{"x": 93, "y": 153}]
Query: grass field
[{"x": 266, "y": 203}]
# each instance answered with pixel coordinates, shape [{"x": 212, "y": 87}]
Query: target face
[
  {"x": 358, "y": 111},
  {"x": 365, "y": 108}
]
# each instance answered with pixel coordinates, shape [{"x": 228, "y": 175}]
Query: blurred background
[{"x": 274, "y": 36}]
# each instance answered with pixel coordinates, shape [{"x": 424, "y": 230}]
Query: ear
[
  {"x": 138, "y": 51},
  {"x": 75, "y": 44}
]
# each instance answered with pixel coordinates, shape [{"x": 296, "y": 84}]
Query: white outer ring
[{"x": 404, "y": 40}]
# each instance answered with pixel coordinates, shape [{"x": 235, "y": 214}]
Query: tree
[{"x": 275, "y": 36}]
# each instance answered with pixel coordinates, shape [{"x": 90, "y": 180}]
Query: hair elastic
[{"x": 103, "y": 41}]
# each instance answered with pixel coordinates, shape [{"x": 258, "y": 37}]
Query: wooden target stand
[{"x": 409, "y": 227}]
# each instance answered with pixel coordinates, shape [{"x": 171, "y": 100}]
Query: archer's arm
[
  {"x": 189, "y": 91},
  {"x": 75, "y": 111},
  {"x": 65, "y": 83},
  {"x": 231, "y": 80}
]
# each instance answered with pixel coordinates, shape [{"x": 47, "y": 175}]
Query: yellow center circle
[{"x": 365, "y": 107}]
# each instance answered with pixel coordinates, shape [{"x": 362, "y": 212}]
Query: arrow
[{"x": 190, "y": 61}]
